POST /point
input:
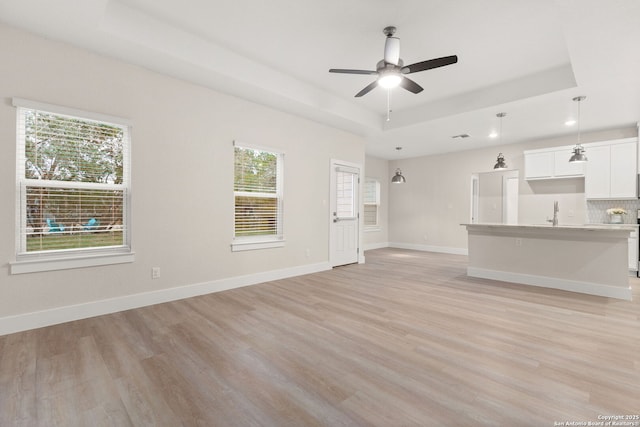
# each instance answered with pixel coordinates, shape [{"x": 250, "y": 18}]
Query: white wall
[
  {"x": 182, "y": 175},
  {"x": 426, "y": 212},
  {"x": 378, "y": 169}
]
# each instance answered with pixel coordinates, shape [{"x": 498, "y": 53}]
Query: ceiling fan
[{"x": 391, "y": 70}]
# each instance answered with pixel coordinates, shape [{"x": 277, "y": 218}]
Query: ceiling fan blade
[
  {"x": 392, "y": 50},
  {"x": 367, "y": 89},
  {"x": 429, "y": 64},
  {"x": 343, "y": 71},
  {"x": 410, "y": 85}
]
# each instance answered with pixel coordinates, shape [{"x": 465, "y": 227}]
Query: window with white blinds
[
  {"x": 258, "y": 193},
  {"x": 73, "y": 183},
  {"x": 371, "y": 202}
]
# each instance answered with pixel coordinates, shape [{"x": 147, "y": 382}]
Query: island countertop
[
  {"x": 588, "y": 258},
  {"x": 585, "y": 227}
]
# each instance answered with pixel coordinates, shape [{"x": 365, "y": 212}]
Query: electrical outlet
[
  {"x": 518, "y": 242},
  {"x": 155, "y": 273}
]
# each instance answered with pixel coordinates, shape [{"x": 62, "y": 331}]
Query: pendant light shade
[
  {"x": 578, "y": 151},
  {"x": 578, "y": 155},
  {"x": 398, "y": 178},
  {"x": 500, "y": 164}
]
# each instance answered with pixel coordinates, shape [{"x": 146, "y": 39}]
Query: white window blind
[
  {"x": 258, "y": 194},
  {"x": 371, "y": 202},
  {"x": 345, "y": 200},
  {"x": 73, "y": 184}
]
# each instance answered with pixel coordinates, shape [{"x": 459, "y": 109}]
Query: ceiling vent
[{"x": 462, "y": 135}]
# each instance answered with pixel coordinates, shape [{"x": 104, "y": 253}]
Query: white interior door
[{"x": 345, "y": 214}]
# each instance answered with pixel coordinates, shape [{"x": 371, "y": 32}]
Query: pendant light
[
  {"x": 500, "y": 164},
  {"x": 578, "y": 151},
  {"x": 398, "y": 178}
]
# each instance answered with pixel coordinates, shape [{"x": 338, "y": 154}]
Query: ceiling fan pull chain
[{"x": 388, "y": 104}]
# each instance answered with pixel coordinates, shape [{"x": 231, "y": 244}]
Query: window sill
[
  {"x": 35, "y": 265},
  {"x": 253, "y": 245},
  {"x": 372, "y": 228}
]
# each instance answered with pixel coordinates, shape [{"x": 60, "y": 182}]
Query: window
[
  {"x": 73, "y": 188},
  {"x": 371, "y": 203},
  {"x": 257, "y": 190}
]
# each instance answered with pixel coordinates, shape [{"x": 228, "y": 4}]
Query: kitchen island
[{"x": 590, "y": 259}]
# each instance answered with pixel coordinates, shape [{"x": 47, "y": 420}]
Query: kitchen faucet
[{"x": 554, "y": 221}]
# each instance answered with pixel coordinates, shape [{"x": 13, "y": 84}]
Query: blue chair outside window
[
  {"x": 54, "y": 227},
  {"x": 92, "y": 224}
]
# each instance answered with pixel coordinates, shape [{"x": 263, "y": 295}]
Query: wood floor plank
[
  {"x": 18, "y": 379},
  {"x": 406, "y": 339}
]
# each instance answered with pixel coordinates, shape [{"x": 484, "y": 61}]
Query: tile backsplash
[{"x": 597, "y": 210}]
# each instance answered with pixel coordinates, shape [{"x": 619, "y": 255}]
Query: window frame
[
  {"x": 30, "y": 262},
  {"x": 265, "y": 241},
  {"x": 367, "y": 182}
]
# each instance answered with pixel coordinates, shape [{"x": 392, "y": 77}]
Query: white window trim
[
  {"x": 250, "y": 243},
  {"x": 91, "y": 257},
  {"x": 63, "y": 263},
  {"x": 238, "y": 245}
]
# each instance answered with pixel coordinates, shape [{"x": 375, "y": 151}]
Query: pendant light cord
[
  {"x": 388, "y": 104},
  {"x": 579, "y": 139}
]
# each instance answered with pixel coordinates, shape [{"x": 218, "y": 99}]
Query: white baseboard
[
  {"x": 380, "y": 245},
  {"x": 552, "y": 282},
  {"x": 23, "y": 322},
  {"x": 430, "y": 248}
]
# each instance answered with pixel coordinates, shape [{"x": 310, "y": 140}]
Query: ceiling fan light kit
[{"x": 389, "y": 80}]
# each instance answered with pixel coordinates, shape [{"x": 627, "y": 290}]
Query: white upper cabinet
[
  {"x": 624, "y": 170},
  {"x": 611, "y": 169},
  {"x": 563, "y": 168},
  {"x": 551, "y": 163},
  {"x": 538, "y": 165},
  {"x": 597, "y": 183}
]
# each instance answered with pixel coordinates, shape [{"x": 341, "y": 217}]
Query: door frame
[{"x": 332, "y": 167}]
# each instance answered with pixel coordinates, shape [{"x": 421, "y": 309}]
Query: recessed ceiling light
[
  {"x": 570, "y": 122},
  {"x": 493, "y": 134}
]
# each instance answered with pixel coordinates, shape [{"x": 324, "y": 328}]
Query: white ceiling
[{"x": 527, "y": 58}]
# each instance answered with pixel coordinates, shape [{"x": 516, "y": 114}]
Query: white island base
[{"x": 587, "y": 259}]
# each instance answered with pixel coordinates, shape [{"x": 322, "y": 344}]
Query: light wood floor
[{"x": 406, "y": 339}]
